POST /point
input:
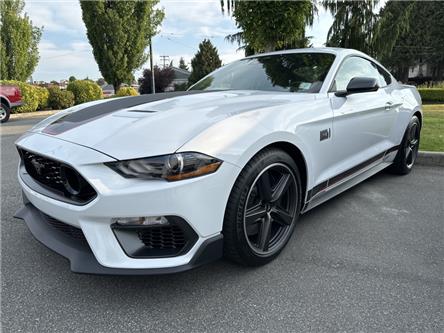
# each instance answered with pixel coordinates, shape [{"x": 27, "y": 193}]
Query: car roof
[{"x": 333, "y": 50}]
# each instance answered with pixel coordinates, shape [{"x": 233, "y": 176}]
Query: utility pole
[
  {"x": 153, "y": 85},
  {"x": 164, "y": 58}
]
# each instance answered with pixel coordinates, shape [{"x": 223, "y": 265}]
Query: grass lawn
[{"x": 432, "y": 134}]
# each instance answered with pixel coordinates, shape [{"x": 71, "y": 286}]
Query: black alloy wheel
[
  {"x": 412, "y": 145},
  {"x": 408, "y": 150},
  {"x": 262, "y": 209},
  {"x": 270, "y": 209}
]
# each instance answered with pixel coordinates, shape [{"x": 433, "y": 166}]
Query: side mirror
[{"x": 359, "y": 85}]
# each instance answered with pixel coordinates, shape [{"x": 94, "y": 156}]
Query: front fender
[{"x": 237, "y": 139}]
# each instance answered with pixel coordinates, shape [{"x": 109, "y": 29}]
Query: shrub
[
  {"x": 60, "y": 99},
  {"x": 432, "y": 84},
  {"x": 126, "y": 91},
  {"x": 432, "y": 94},
  {"x": 84, "y": 91},
  {"x": 181, "y": 86},
  {"x": 30, "y": 96},
  {"x": 42, "y": 96}
]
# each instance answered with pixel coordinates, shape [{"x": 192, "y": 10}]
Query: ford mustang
[{"x": 166, "y": 182}]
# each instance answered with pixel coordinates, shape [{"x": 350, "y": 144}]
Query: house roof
[{"x": 180, "y": 73}]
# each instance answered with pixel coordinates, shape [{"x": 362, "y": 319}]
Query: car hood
[{"x": 162, "y": 126}]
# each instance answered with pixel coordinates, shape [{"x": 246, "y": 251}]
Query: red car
[{"x": 10, "y": 97}]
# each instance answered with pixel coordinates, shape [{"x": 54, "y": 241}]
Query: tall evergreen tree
[
  {"x": 204, "y": 62},
  {"x": 353, "y": 24},
  {"x": 410, "y": 33},
  {"x": 270, "y": 25},
  {"x": 19, "y": 40},
  {"x": 182, "y": 64},
  {"x": 119, "y": 32}
]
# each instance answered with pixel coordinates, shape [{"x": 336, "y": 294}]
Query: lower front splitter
[{"x": 82, "y": 258}]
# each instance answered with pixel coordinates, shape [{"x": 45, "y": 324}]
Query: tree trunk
[{"x": 116, "y": 86}]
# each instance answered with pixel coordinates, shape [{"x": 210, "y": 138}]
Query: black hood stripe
[{"x": 91, "y": 113}]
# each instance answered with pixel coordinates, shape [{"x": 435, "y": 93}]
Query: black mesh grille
[
  {"x": 163, "y": 237},
  {"x": 57, "y": 177},
  {"x": 67, "y": 229},
  {"x": 156, "y": 241}
]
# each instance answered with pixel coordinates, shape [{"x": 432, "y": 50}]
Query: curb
[
  {"x": 430, "y": 158},
  {"x": 36, "y": 114}
]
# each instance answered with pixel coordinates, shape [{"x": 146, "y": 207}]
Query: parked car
[
  {"x": 163, "y": 183},
  {"x": 11, "y": 97},
  {"x": 108, "y": 90}
]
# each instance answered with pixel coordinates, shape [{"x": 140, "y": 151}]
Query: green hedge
[
  {"x": 42, "y": 96},
  {"x": 85, "y": 91},
  {"x": 432, "y": 94},
  {"x": 60, "y": 99},
  {"x": 33, "y": 97},
  {"x": 126, "y": 91}
]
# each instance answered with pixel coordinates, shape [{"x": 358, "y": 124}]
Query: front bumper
[
  {"x": 16, "y": 104},
  {"x": 82, "y": 259},
  {"x": 199, "y": 201}
]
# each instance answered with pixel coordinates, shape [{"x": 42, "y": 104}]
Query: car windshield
[{"x": 294, "y": 72}]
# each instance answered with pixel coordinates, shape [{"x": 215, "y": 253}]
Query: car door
[{"x": 362, "y": 122}]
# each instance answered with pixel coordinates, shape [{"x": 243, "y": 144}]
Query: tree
[
  {"x": 204, "y": 62},
  {"x": 162, "y": 78},
  {"x": 353, "y": 24},
  {"x": 270, "y": 25},
  {"x": 119, "y": 32},
  {"x": 18, "y": 42},
  {"x": 409, "y": 33},
  {"x": 72, "y": 78},
  {"x": 182, "y": 64},
  {"x": 101, "y": 81}
]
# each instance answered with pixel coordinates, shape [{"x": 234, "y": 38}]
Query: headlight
[{"x": 170, "y": 167}]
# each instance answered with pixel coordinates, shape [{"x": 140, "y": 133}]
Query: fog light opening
[{"x": 142, "y": 220}]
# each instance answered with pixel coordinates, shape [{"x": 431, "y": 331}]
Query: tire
[
  {"x": 5, "y": 112},
  {"x": 408, "y": 150},
  {"x": 258, "y": 223}
]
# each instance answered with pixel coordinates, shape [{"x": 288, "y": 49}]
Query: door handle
[{"x": 388, "y": 106}]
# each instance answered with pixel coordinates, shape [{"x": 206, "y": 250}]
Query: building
[{"x": 180, "y": 77}]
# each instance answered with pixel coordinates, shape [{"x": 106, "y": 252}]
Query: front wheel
[
  {"x": 5, "y": 112},
  {"x": 408, "y": 150},
  {"x": 262, "y": 209}
]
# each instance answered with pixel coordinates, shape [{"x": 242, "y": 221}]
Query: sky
[{"x": 65, "y": 50}]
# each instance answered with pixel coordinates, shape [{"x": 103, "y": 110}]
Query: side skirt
[{"x": 342, "y": 182}]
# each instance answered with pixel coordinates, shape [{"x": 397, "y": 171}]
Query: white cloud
[
  {"x": 319, "y": 30},
  {"x": 199, "y": 18},
  {"x": 56, "y": 16},
  {"x": 59, "y": 63}
]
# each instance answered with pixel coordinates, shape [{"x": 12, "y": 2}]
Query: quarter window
[{"x": 359, "y": 67}]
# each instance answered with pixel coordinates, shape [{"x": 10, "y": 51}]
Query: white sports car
[{"x": 163, "y": 183}]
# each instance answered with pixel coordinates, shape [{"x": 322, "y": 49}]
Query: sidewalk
[{"x": 36, "y": 114}]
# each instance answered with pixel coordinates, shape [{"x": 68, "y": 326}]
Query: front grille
[
  {"x": 163, "y": 237},
  {"x": 57, "y": 177},
  {"x": 67, "y": 229}
]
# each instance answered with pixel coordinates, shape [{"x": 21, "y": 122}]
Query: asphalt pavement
[{"x": 370, "y": 260}]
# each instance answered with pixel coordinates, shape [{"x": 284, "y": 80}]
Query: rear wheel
[
  {"x": 5, "y": 112},
  {"x": 262, "y": 209},
  {"x": 408, "y": 151}
]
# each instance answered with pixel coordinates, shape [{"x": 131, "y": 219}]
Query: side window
[
  {"x": 385, "y": 78},
  {"x": 354, "y": 67}
]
